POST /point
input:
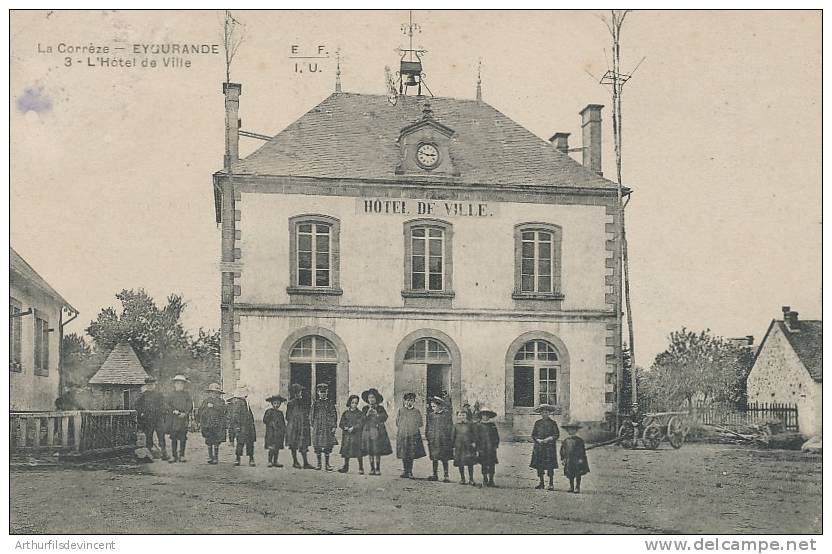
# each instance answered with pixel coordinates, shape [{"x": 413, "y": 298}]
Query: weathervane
[
  {"x": 479, "y": 80},
  {"x": 410, "y": 72},
  {"x": 338, "y": 70}
]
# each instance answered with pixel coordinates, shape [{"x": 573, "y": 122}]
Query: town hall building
[{"x": 417, "y": 243}]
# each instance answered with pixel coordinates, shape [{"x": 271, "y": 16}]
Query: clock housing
[{"x": 426, "y": 149}]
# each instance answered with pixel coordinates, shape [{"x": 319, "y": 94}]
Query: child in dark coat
[
  {"x": 374, "y": 439},
  {"x": 573, "y": 457},
  {"x": 352, "y": 426},
  {"x": 275, "y": 429},
  {"x": 465, "y": 446},
  {"x": 438, "y": 432},
  {"x": 178, "y": 406},
  {"x": 545, "y": 453},
  {"x": 241, "y": 425},
  {"x": 409, "y": 445},
  {"x": 212, "y": 422},
  {"x": 298, "y": 436},
  {"x": 488, "y": 440},
  {"x": 324, "y": 423}
]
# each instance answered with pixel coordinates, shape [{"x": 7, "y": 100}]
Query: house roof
[
  {"x": 355, "y": 136},
  {"x": 18, "y": 266},
  {"x": 808, "y": 345},
  {"x": 122, "y": 367}
]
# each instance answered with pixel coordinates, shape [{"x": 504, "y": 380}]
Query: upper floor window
[
  {"x": 537, "y": 261},
  {"x": 15, "y": 336},
  {"x": 428, "y": 262},
  {"x": 41, "y": 346},
  {"x": 314, "y": 254}
]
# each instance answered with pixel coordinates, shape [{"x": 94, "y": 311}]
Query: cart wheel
[
  {"x": 676, "y": 432},
  {"x": 652, "y": 437},
  {"x": 627, "y": 434}
]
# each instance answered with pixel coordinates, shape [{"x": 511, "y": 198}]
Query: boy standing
[
  {"x": 212, "y": 421},
  {"x": 324, "y": 423},
  {"x": 488, "y": 440},
  {"x": 275, "y": 429},
  {"x": 438, "y": 432},
  {"x": 179, "y": 405},
  {"x": 241, "y": 425}
]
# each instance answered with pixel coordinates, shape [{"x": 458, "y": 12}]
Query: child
[
  {"x": 324, "y": 423},
  {"x": 179, "y": 406},
  {"x": 409, "y": 445},
  {"x": 544, "y": 455},
  {"x": 488, "y": 440},
  {"x": 374, "y": 439},
  {"x": 212, "y": 421},
  {"x": 573, "y": 457},
  {"x": 241, "y": 425},
  {"x": 297, "y": 426},
  {"x": 438, "y": 432},
  {"x": 275, "y": 429},
  {"x": 465, "y": 447},
  {"x": 352, "y": 423}
]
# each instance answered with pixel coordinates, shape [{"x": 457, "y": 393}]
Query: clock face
[{"x": 427, "y": 155}]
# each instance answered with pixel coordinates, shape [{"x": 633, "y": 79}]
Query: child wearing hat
[
  {"x": 545, "y": 434},
  {"x": 298, "y": 437},
  {"x": 241, "y": 425},
  {"x": 375, "y": 442},
  {"x": 465, "y": 446},
  {"x": 438, "y": 429},
  {"x": 488, "y": 440},
  {"x": 212, "y": 421},
  {"x": 275, "y": 429},
  {"x": 324, "y": 424},
  {"x": 150, "y": 409},
  {"x": 409, "y": 445},
  {"x": 573, "y": 457},
  {"x": 352, "y": 425},
  {"x": 179, "y": 406}
]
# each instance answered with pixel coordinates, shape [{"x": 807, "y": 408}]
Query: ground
[{"x": 714, "y": 489}]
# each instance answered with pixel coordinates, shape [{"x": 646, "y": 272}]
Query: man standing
[
  {"x": 180, "y": 405},
  {"x": 150, "y": 407}
]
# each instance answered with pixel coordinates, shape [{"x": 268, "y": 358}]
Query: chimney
[
  {"x": 591, "y": 127},
  {"x": 561, "y": 142},
  {"x": 232, "y": 93},
  {"x": 790, "y": 319}
]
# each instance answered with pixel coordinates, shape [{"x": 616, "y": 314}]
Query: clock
[{"x": 427, "y": 155}]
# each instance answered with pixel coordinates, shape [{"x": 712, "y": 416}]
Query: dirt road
[{"x": 697, "y": 489}]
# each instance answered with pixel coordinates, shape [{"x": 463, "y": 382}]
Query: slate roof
[
  {"x": 122, "y": 367},
  {"x": 355, "y": 136},
  {"x": 19, "y": 266},
  {"x": 808, "y": 345}
]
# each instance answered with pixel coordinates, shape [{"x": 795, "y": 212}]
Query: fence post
[
  {"x": 77, "y": 431},
  {"x": 64, "y": 431}
]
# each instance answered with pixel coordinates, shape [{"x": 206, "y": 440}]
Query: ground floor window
[
  {"x": 313, "y": 360},
  {"x": 536, "y": 367}
]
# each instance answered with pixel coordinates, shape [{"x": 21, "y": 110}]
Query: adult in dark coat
[
  {"x": 298, "y": 436},
  {"x": 409, "y": 445},
  {"x": 212, "y": 421},
  {"x": 374, "y": 439},
  {"x": 275, "y": 429},
  {"x": 488, "y": 440},
  {"x": 545, "y": 434},
  {"x": 573, "y": 457},
  {"x": 352, "y": 426},
  {"x": 438, "y": 428},
  {"x": 179, "y": 406},
  {"x": 324, "y": 419},
  {"x": 241, "y": 425},
  {"x": 465, "y": 447},
  {"x": 150, "y": 407}
]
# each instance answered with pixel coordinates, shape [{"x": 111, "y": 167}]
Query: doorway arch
[
  {"x": 427, "y": 358},
  {"x": 323, "y": 351}
]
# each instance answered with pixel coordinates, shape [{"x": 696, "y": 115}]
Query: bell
[{"x": 411, "y": 80}]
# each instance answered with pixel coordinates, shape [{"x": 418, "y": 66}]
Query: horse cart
[{"x": 652, "y": 429}]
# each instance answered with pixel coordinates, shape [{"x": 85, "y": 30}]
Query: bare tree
[{"x": 233, "y": 35}]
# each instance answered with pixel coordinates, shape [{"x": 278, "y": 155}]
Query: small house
[
  {"x": 788, "y": 369},
  {"x": 117, "y": 384}
]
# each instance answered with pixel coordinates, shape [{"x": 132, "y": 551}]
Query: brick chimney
[
  {"x": 790, "y": 319},
  {"x": 561, "y": 142},
  {"x": 591, "y": 128},
  {"x": 232, "y": 93}
]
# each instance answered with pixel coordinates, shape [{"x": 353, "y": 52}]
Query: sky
[{"x": 111, "y": 167}]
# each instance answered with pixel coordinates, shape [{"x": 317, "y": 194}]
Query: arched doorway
[
  {"x": 427, "y": 363},
  {"x": 315, "y": 355}
]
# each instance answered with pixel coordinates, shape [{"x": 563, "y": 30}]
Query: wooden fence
[
  {"x": 81, "y": 432},
  {"x": 755, "y": 413}
]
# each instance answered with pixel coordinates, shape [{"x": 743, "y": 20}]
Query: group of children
[{"x": 470, "y": 439}]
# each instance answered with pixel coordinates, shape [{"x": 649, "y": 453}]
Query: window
[
  {"x": 428, "y": 263},
  {"x": 314, "y": 251},
  {"x": 313, "y": 360},
  {"x": 41, "y": 346},
  {"x": 537, "y": 261},
  {"x": 125, "y": 400},
  {"x": 427, "y": 351},
  {"x": 15, "y": 334},
  {"x": 536, "y": 358}
]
